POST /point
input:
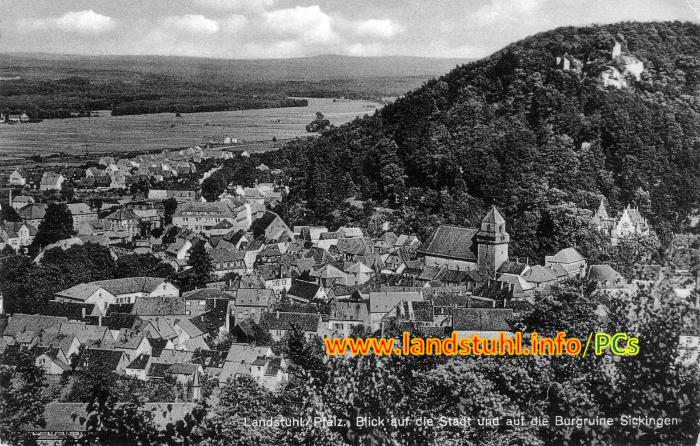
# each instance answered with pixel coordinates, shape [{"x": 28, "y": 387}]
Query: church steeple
[{"x": 492, "y": 240}]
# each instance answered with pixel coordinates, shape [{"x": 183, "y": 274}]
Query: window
[{"x": 201, "y": 303}]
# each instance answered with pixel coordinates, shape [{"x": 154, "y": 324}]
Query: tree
[
  {"x": 56, "y": 225},
  {"x": 243, "y": 398},
  {"x": 137, "y": 265},
  {"x": 21, "y": 402},
  {"x": 169, "y": 207},
  {"x": 201, "y": 264}
]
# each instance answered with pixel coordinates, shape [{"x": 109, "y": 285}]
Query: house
[
  {"x": 346, "y": 315},
  {"x": 86, "y": 334},
  {"x": 250, "y": 303},
  {"x": 18, "y": 178},
  {"x": 33, "y": 213},
  {"x": 138, "y": 367},
  {"x": 271, "y": 227},
  {"x": 17, "y": 235},
  {"x": 21, "y": 201},
  {"x": 629, "y": 222},
  {"x": 570, "y": 259},
  {"x": 184, "y": 374},
  {"x": 28, "y": 323},
  {"x": 484, "y": 322},
  {"x": 605, "y": 277},
  {"x": 280, "y": 323},
  {"x": 81, "y": 213},
  {"x": 227, "y": 261},
  {"x": 132, "y": 343},
  {"x": 407, "y": 241},
  {"x": 104, "y": 359},
  {"x": 358, "y": 274},
  {"x": 541, "y": 277},
  {"x": 410, "y": 314},
  {"x": 117, "y": 291},
  {"x": 51, "y": 181},
  {"x": 381, "y": 303},
  {"x": 159, "y": 305},
  {"x": 239, "y": 361},
  {"x": 122, "y": 223},
  {"x": 206, "y": 299},
  {"x": 52, "y": 362},
  {"x": 304, "y": 292},
  {"x": 328, "y": 275},
  {"x": 203, "y": 217},
  {"x": 464, "y": 249}
]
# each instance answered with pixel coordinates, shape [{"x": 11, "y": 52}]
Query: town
[{"x": 232, "y": 282}]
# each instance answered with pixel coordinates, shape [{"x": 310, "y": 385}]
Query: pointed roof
[
  {"x": 493, "y": 216},
  {"x": 601, "y": 212},
  {"x": 567, "y": 255}
]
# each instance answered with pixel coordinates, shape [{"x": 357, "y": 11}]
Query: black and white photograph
[{"x": 351, "y": 223}]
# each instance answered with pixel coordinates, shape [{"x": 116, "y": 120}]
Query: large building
[
  {"x": 466, "y": 249},
  {"x": 629, "y": 222},
  {"x": 203, "y": 217}
]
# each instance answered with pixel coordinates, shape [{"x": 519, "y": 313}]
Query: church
[
  {"x": 629, "y": 222},
  {"x": 483, "y": 249}
]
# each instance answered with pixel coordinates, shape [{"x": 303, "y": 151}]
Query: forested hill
[{"x": 541, "y": 137}]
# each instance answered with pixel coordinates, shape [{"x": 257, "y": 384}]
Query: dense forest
[{"x": 543, "y": 142}]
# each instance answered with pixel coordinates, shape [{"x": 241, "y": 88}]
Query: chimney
[{"x": 82, "y": 311}]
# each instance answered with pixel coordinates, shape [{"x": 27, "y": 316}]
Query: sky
[{"x": 253, "y": 29}]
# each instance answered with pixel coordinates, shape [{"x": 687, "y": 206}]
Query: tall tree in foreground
[
  {"x": 201, "y": 264},
  {"x": 21, "y": 404},
  {"x": 56, "y": 225}
]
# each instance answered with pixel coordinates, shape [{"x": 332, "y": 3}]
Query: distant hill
[
  {"x": 324, "y": 67},
  {"x": 61, "y": 86},
  {"x": 544, "y": 128}
]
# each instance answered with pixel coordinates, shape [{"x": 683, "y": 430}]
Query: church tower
[{"x": 492, "y": 243}]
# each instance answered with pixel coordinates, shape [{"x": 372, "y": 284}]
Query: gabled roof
[
  {"x": 359, "y": 268},
  {"x": 509, "y": 267},
  {"x": 567, "y": 255},
  {"x": 451, "y": 242},
  {"x": 254, "y": 297},
  {"x": 122, "y": 215},
  {"x": 140, "y": 362},
  {"x": 33, "y": 211},
  {"x": 70, "y": 310},
  {"x": 328, "y": 272},
  {"x": 302, "y": 289},
  {"x": 539, "y": 274},
  {"x": 106, "y": 359},
  {"x": 20, "y": 323},
  {"x": 383, "y": 301},
  {"x": 480, "y": 319},
  {"x": 159, "y": 305},
  {"x": 605, "y": 274},
  {"x": 350, "y": 311},
  {"x": 278, "y": 320},
  {"x": 208, "y": 293}
]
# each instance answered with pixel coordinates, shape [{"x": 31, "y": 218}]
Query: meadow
[{"x": 155, "y": 131}]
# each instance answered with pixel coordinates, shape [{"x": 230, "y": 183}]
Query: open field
[{"x": 155, "y": 131}]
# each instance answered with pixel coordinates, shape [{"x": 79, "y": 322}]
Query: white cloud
[
  {"x": 234, "y": 23},
  {"x": 191, "y": 23},
  {"x": 237, "y": 5},
  {"x": 378, "y": 28},
  {"x": 306, "y": 23},
  {"x": 86, "y": 22},
  {"x": 506, "y": 10}
]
